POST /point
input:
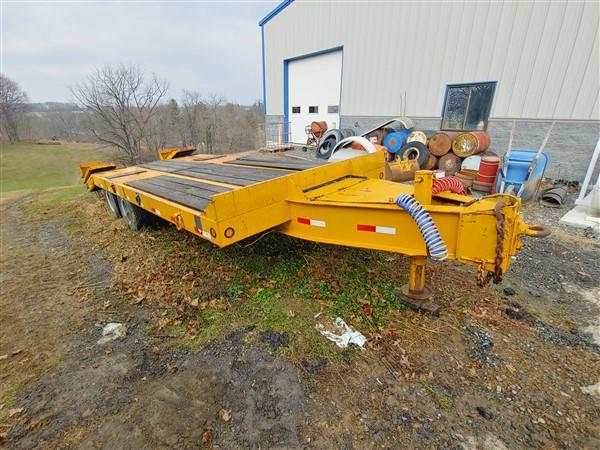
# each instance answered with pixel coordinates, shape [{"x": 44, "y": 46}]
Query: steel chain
[{"x": 484, "y": 278}]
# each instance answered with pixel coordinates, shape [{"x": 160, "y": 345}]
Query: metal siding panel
[
  {"x": 428, "y": 67},
  {"x": 448, "y": 45},
  {"x": 588, "y": 89},
  {"x": 595, "y": 112},
  {"x": 543, "y": 60},
  {"x": 582, "y": 52},
  {"x": 489, "y": 37},
  {"x": 500, "y": 56},
  {"x": 520, "y": 22},
  {"x": 527, "y": 59},
  {"x": 561, "y": 57},
  {"x": 478, "y": 30},
  {"x": 436, "y": 66},
  {"x": 460, "y": 52}
]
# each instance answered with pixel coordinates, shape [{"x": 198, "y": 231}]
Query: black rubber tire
[
  {"x": 112, "y": 204},
  {"x": 135, "y": 217},
  {"x": 415, "y": 150},
  {"x": 327, "y": 142}
]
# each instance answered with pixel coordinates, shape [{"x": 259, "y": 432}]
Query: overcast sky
[{"x": 209, "y": 47}]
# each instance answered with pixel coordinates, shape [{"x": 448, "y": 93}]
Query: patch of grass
[
  {"x": 441, "y": 399},
  {"x": 53, "y": 199},
  {"x": 27, "y": 166}
]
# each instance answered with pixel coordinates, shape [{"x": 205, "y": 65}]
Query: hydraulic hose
[
  {"x": 448, "y": 184},
  {"x": 434, "y": 242}
]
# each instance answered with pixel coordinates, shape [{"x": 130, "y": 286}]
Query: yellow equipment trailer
[{"x": 225, "y": 199}]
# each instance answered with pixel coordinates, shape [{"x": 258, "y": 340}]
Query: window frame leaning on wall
[{"x": 470, "y": 105}]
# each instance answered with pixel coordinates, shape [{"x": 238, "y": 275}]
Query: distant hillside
[{"x": 52, "y": 106}]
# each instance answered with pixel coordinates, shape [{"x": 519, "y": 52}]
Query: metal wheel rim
[
  {"x": 111, "y": 202},
  {"x": 126, "y": 212},
  {"x": 326, "y": 146}
]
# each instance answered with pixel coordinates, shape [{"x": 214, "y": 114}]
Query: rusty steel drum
[
  {"x": 471, "y": 143},
  {"x": 417, "y": 136},
  {"x": 378, "y": 136},
  {"x": 449, "y": 163},
  {"x": 402, "y": 170},
  {"x": 431, "y": 162},
  {"x": 441, "y": 142},
  {"x": 488, "y": 169},
  {"x": 318, "y": 128},
  {"x": 467, "y": 178},
  {"x": 482, "y": 186}
]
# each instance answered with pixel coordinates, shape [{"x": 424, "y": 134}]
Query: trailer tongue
[{"x": 225, "y": 199}]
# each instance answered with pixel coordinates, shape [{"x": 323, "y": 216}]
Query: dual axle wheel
[{"x": 135, "y": 217}]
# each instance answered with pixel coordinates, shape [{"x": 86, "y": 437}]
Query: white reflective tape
[
  {"x": 206, "y": 234},
  {"x": 385, "y": 230},
  {"x": 318, "y": 223}
]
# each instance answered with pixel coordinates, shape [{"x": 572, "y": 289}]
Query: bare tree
[
  {"x": 122, "y": 102},
  {"x": 13, "y": 104}
]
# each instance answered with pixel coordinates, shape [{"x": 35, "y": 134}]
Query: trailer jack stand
[{"x": 416, "y": 295}]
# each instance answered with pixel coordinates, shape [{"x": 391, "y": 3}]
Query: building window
[
  {"x": 467, "y": 106},
  {"x": 333, "y": 109},
  {"x": 295, "y": 110},
  {"x": 313, "y": 109}
]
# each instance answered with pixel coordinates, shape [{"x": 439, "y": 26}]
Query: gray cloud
[{"x": 211, "y": 47}]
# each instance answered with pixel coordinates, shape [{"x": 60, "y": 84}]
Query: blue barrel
[
  {"x": 518, "y": 167},
  {"x": 394, "y": 141}
]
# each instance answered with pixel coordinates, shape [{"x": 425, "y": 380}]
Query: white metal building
[{"x": 354, "y": 64}]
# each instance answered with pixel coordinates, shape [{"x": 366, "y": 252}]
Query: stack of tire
[{"x": 330, "y": 139}]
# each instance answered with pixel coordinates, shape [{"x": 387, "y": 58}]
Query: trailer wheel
[
  {"x": 135, "y": 217},
  {"x": 112, "y": 204}
]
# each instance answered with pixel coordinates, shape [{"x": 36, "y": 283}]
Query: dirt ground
[{"x": 509, "y": 366}]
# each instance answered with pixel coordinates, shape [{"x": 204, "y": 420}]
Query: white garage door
[{"x": 314, "y": 85}]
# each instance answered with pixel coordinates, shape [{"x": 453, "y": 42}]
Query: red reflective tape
[
  {"x": 370, "y": 228},
  {"x": 197, "y": 230},
  {"x": 304, "y": 220}
]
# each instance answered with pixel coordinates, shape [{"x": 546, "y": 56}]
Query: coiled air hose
[
  {"x": 434, "y": 242},
  {"x": 448, "y": 184}
]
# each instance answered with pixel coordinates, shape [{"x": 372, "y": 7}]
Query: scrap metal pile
[{"x": 463, "y": 157}]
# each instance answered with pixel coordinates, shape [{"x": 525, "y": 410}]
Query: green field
[{"x": 28, "y": 166}]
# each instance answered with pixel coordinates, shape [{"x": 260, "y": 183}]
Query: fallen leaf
[
  {"x": 3, "y": 357},
  {"x": 105, "y": 305},
  {"x": 155, "y": 349},
  {"x": 14, "y": 411},
  {"x": 108, "y": 350},
  {"x": 224, "y": 414},
  {"x": 206, "y": 437},
  {"x": 368, "y": 310}
]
